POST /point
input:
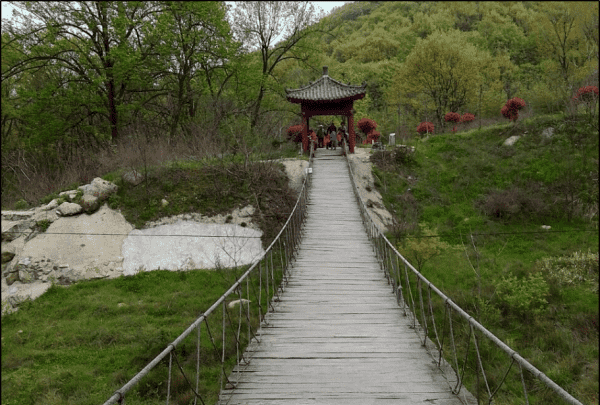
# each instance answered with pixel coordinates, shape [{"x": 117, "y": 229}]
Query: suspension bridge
[
  {"x": 337, "y": 335},
  {"x": 351, "y": 322}
]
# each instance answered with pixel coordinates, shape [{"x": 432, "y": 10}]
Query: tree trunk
[
  {"x": 112, "y": 110},
  {"x": 256, "y": 111}
]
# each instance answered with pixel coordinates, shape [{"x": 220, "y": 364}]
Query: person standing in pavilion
[
  {"x": 331, "y": 132},
  {"x": 320, "y": 135},
  {"x": 344, "y": 132}
]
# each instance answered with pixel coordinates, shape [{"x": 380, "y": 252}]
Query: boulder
[
  {"x": 50, "y": 206},
  {"x": 133, "y": 177},
  {"x": 512, "y": 140},
  {"x": 68, "y": 194},
  {"x": 67, "y": 209},
  {"x": 99, "y": 188},
  {"x": 12, "y": 277},
  {"x": 548, "y": 132},
  {"x": 42, "y": 215},
  {"x": 244, "y": 301},
  {"x": 90, "y": 203},
  {"x": 7, "y": 256}
]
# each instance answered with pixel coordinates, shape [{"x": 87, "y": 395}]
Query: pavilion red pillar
[
  {"x": 352, "y": 136},
  {"x": 304, "y": 133}
]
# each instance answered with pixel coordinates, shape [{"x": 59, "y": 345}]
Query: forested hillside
[
  {"x": 423, "y": 60},
  {"x": 84, "y": 80}
]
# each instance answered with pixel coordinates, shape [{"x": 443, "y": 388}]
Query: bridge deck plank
[{"x": 337, "y": 335}]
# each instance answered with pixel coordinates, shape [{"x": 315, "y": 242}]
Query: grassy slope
[
  {"x": 78, "y": 345},
  {"x": 455, "y": 180}
]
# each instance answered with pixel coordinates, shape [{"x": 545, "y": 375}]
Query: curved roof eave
[{"x": 326, "y": 89}]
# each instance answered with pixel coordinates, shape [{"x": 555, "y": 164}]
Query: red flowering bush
[
  {"x": 589, "y": 96},
  {"x": 586, "y": 94},
  {"x": 295, "y": 133},
  {"x": 452, "y": 117},
  {"x": 467, "y": 117},
  {"x": 425, "y": 127},
  {"x": 366, "y": 125},
  {"x": 512, "y": 107},
  {"x": 372, "y": 136}
]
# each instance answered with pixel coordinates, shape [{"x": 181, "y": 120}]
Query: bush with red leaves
[
  {"x": 589, "y": 96},
  {"x": 512, "y": 107},
  {"x": 452, "y": 117},
  {"x": 586, "y": 94},
  {"x": 295, "y": 133},
  {"x": 467, "y": 117},
  {"x": 372, "y": 136},
  {"x": 366, "y": 125},
  {"x": 425, "y": 127}
]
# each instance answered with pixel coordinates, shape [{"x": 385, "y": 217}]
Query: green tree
[
  {"x": 277, "y": 31},
  {"x": 423, "y": 247},
  {"x": 568, "y": 36},
  {"x": 196, "y": 45},
  {"x": 102, "y": 45},
  {"x": 446, "y": 68}
]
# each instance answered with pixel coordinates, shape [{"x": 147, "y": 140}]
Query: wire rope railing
[
  {"x": 457, "y": 333},
  {"x": 242, "y": 311}
]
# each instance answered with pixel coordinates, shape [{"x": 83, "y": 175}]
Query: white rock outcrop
[
  {"x": 68, "y": 209},
  {"x": 511, "y": 141}
]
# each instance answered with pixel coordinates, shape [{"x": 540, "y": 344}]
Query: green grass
[
  {"x": 79, "y": 344},
  {"x": 469, "y": 183}
]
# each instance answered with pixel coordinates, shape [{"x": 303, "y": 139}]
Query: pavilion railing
[
  {"x": 465, "y": 342},
  {"x": 230, "y": 323}
]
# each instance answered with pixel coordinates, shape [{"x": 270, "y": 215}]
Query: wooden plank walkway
[{"x": 337, "y": 336}]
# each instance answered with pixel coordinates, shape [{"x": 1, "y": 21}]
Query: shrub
[
  {"x": 423, "y": 247},
  {"x": 43, "y": 225},
  {"x": 513, "y": 204},
  {"x": 366, "y": 125},
  {"x": 294, "y": 133},
  {"x": 522, "y": 297},
  {"x": 579, "y": 268},
  {"x": 372, "y": 136},
  {"x": 467, "y": 117},
  {"x": 452, "y": 117},
  {"x": 21, "y": 205},
  {"x": 589, "y": 96},
  {"x": 425, "y": 127},
  {"x": 512, "y": 107},
  {"x": 586, "y": 94},
  {"x": 403, "y": 155}
]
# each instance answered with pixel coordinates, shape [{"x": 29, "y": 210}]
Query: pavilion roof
[{"x": 326, "y": 89}]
